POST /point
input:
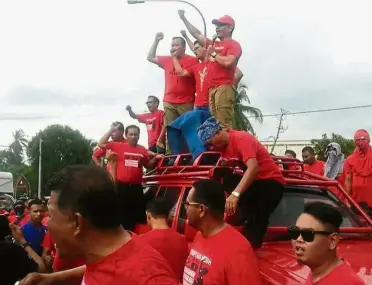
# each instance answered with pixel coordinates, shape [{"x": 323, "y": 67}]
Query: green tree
[
  {"x": 14, "y": 155},
  {"x": 320, "y": 145},
  {"x": 61, "y": 146},
  {"x": 242, "y": 112}
]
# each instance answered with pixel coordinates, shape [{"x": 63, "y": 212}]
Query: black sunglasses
[{"x": 307, "y": 234}]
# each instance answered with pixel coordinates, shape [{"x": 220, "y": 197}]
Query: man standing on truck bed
[{"x": 261, "y": 187}]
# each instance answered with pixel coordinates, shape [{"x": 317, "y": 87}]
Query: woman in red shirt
[
  {"x": 130, "y": 160},
  {"x": 261, "y": 187}
]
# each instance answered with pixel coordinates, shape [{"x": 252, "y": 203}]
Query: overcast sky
[{"x": 80, "y": 62}]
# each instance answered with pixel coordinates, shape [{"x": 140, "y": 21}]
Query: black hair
[
  {"x": 159, "y": 207},
  {"x": 132, "y": 127},
  {"x": 120, "y": 126},
  {"x": 155, "y": 98},
  {"x": 183, "y": 42},
  {"x": 35, "y": 202},
  {"x": 210, "y": 193},
  {"x": 19, "y": 203},
  {"x": 197, "y": 43},
  {"x": 328, "y": 215},
  {"x": 90, "y": 191},
  {"x": 4, "y": 228},
  {"x": 308, "y": 149},
  {"x": 291, "y": 152}
]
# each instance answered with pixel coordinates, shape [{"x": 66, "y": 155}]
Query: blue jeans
[{"x": 183, "y": 132}]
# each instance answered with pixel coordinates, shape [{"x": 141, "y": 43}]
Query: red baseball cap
[{"x": 227, "y": 20}]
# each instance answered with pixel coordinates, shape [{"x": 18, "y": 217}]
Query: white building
[{"x": 282, "y": 146}]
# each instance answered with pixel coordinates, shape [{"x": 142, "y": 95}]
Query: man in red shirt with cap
[{"x": 223, "y": 58}]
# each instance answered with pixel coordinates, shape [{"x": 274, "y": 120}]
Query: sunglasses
[
  {"x": 188, "y": 204},
  {"x": 307, "y": 234}
]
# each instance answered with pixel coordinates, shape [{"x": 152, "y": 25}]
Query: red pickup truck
[{"x": 174, "y": 176}]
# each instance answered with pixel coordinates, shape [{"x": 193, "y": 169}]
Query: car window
[
  {"x": 149, "y": 191},
  {"x": 172, "y": 193}
]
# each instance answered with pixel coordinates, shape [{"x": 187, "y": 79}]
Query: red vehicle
[{"x": 174, "y": 176}]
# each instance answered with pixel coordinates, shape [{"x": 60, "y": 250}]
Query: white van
[{"x": 6, "y": 183}]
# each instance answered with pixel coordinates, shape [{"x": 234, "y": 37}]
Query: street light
[{"x": 181, "y": 1}]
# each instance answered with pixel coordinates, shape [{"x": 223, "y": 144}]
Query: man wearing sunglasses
[
  {"x": 315, "y": 238},
  {"x": 209, "y": 261}
]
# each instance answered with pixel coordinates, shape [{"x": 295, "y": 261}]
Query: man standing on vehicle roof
[
  {"x": 261, "y": 187},
  {"x": 219, "y": 254},
  {"x": 223, "y": 58},
  {"x": 315, "y": 238},
  {"x": 154, "y": 123},
  {"x": 311, "y": 164},
  {"x": 179, "y": 92}
]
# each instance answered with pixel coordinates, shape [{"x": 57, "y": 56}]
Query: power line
[
  {"x": 317, "y": 111},
  {"x": 4, "y": 118}
]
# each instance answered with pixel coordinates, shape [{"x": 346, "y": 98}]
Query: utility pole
[
  {"x": 40, "y": 156},
  {"x": 281, "y": 128}
]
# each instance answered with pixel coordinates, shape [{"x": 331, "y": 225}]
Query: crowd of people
[{"x": 87, "y": 236}]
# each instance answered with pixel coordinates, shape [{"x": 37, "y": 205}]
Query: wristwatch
[
  {"x": 236, "y": 194},
  {"x": 26, "y": 244},
  {"x": 214, "y": 54}
]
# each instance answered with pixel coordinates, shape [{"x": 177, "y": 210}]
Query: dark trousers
[
  {"x": 256, "y": 205},
  {"x": 132, "y": 201},
  {"x": 156, "y": 149}
]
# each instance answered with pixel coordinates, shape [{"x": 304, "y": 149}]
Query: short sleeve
[
  {"x": 113, "y": 146},
  {"x": 142, "y": 118},
  {"x": 99, "y": 152},
  {"x": 234, "y": 49},
  {"x": 248, "y": 148},
  {"x": 163, "y": 60},
  {"x": 242, "y": 268},
  {"x": 347, "y": 167}
]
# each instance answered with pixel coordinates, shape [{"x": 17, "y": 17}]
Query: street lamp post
[{"x": 181, "y": 1}]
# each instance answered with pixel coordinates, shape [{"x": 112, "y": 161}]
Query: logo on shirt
[
  {"x": 133, "y": 159},
  {"x": 202, "y": 74},
  {"x": 196, "y": 267},
  {"x": 150, "y": 124}
]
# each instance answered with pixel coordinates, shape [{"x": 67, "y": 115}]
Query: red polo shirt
[
  {"x": 178, "y": 89},
  {"x": 316, "y": 168},
  {"x": 154, "y": 124},
  {"x": 130, "y": 161},
  {"x": 220, "y": 75},
  {"x": 200, "y": 73},
  {"x": 243, "y": 146}
]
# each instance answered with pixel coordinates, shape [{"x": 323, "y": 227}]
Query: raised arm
[
  {"x": 190, "y": 43},
  {"x": 193, "y": 31},
  {"x": 103, "y": 141},
  {"x": 151, "y": 57},
  {"x": 131, "y": 113}
]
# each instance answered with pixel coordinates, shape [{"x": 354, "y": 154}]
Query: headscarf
[
  {"x": 362, "y": 155},
  {"x": 335, "y": 161},
  {"x": 208, "y": 130}
]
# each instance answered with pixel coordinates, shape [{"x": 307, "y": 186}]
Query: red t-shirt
[
  {"x": 99, "y": 152},
  {"x": 48, "y": 243},
  {"x": 135, "y": 263},
  {"x": 316, "y": 168},
  {"x": 211, "y": 263},
  {"x": 172, "y": 246},
  {"x": 178, "y": 89},
  {"x": 341, "y": 275},
  {"x": 24, "y": 220},
  {"x": 200, "y": 73},
  {"x": 243, "y": 146},
  {"x": 220, "y": 75},
  {"x": 130, "y": 161},
  {"x": 154, "y": 124}
]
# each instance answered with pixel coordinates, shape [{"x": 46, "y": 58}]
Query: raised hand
[
  {"x": 181, "y": 13},
  {"x": 159, "y": 36},
  {"x": 183, "y": 33}
]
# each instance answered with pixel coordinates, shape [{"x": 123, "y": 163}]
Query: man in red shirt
[
  {"x": 223, "y": 58},
  {"x": 172, "y": 245},
  {"x": 130, "y": 160},
  {"x": 85, "y": 222},
  {"x": 209, "y": 261},
  {"x": 311, "y": 164},
  {"x": 179, "y": 95},
  {"x": 261, "y": 187},
  {"x": 20, "y": 217},
  {"x": 154, "y": 123},
  {"x": 314, "y": 238},
  {"x": 117, "y": 136}
]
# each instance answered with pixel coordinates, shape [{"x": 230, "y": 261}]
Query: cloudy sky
[{"x": 80, "y": 62}]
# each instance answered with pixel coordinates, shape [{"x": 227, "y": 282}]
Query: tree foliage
[
  {"x": 320, "y": 145},
  {"x": 241, "y": 111},
  {"x": 61, "y": 147}
]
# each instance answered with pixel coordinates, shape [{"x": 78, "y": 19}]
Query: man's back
[
  {"x": 172, "y": 246},
  {"x": 135, "y": 263}
]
